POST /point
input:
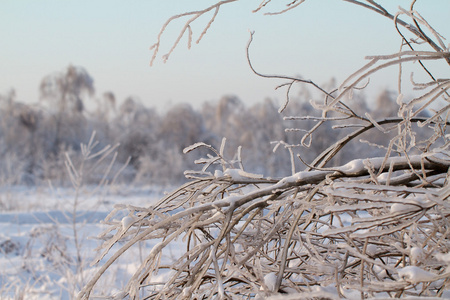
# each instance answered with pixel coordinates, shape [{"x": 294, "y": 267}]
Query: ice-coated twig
[
  {"x": 371, "y": 226},
  {"x": 195, "y": 15}
]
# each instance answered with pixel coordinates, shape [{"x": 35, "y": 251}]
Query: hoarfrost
[
  {"x": 194, "y": 146},
  {"x": 238, "y": 174}
]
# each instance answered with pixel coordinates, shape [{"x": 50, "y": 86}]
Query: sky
[{"x": 111, "y": 39}]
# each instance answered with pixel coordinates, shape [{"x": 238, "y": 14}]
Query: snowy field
[{"x": 47, "y": 238}]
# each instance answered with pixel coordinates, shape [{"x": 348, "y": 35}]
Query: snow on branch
[
  {"x": 231, "y": 220},
  {"x": 351, "y": 224}
]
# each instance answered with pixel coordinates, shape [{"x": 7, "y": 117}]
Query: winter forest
[
  {"x": 35, "y": 138},
  {"x": 328, "y": 193}
]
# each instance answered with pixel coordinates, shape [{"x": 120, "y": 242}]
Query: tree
[
  {"x": 181, "y": 126},
  {"x": 18, "y": 139},
  {"x": 65, "y": 92},
  {"x": 369, "y": 227}
]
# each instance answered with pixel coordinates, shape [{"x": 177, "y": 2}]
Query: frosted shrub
[{"x": 370, "y": 227}]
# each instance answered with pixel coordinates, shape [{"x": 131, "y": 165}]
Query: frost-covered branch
[
  {"x": 232, "y": 220},
  {"x": 369, "y": 226},
  {"x": 187, "y": 27},
  {"x": 291, "y": 79}
]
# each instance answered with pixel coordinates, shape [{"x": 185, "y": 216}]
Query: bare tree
[{"x": 371, "y": 227}]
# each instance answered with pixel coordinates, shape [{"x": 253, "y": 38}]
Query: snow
[
  {"x": 371, "y": 249},
  {"x": 415, "y": 274},
  {"x": 381, "y": 272},
  {"x": 218, "y": 174},
  {"x": 270, "y": 280},
  {"x": 403, "y": 208},
  {"x": 127, "y": 222},
  {"x": 38, "y": 248},
  {"x": 416, "y": 255},
  {"x": 238, "y": 174},
  {"x": 443, "y": 257},
  {"x": 353, "y": 166},
  {"x": 330, "y": 291}
]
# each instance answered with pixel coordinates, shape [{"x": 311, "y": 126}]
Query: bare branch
[
  {"x": 293, "y": 79},
  {"x": 195, "y": 15},
  {"x": 290, "y": 6}
]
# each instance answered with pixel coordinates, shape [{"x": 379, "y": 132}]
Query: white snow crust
[
  {"x": 39, "y": 241},
  {"x": 415, "y": 274}
]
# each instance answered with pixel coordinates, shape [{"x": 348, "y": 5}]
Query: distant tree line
[{"x": 35, "y": 138}]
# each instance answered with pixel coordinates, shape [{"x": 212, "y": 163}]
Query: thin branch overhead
[{"x": 194, "y": 16}]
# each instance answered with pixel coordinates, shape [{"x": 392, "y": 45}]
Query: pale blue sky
[{"x": 111, "y": 39}]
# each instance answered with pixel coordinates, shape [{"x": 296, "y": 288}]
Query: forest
[{"x": 36, "y": 137}]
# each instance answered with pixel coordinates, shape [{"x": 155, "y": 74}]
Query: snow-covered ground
[
  {"x": 47, "y": 238},
  {"x": 48, "y": 241}
]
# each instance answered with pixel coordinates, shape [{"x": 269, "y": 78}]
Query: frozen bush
[{"x": 369, "y": 227}]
